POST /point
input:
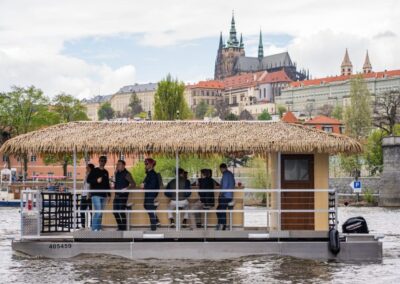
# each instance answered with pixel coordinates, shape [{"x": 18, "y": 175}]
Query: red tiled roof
[
  {"x": 289, "y": 117},
  {"x": 313, "y": 82},
  {"x": 322, "y": 119},
  {"x": 211, "y": 84}
]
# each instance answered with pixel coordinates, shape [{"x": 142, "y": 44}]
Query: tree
[
  {"x": 231, "y": 116},
  {"x": 211, "y": 111},
  {"x": 309, "y": 109},
  {"x": 357, "y": 116},
  {"x": 264, "y": 115},
  {"x": 326, "y": 110},
  {"x": 201, "y": 109},
  {"x": 69, "y": 108},
  {"x": 169, "y": 101},
  {"x": 23, "y": 110},
  {"x": 281, "y": 110},
  {"x": 337, "y": 112},
  {"x": 387, "y": 110},
  {"x": 246, "y": 115},
  {"x": 135, "y": 105},
  {"x": 106, "y": 111},
  {"x": 222, "y": 108}
]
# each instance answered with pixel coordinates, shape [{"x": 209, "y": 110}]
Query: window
[
  {"x": 122, "y": 157},
  {"x": 265, "y": 93},
  {"x": 328, "y": 129},
  {"x": 141, "y": 157},
  {"x": 5, "y": 157},
  {"x": 33, "y": 158},
  {"x": 194, "y": 102},
  {"x": 69, "y": 174},
  {"x": 341, "y": 129},
  {"x": 296, "y": 169}
]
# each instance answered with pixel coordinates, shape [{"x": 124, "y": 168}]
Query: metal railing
[{"x": 281, "y": 209}]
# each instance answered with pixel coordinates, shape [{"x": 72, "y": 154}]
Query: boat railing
[{"x": 277, "y": 209}]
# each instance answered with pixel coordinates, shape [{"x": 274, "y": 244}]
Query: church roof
[
  {"x": 251, "y": 64},
  {"x": 211, "y": 84},
  {"x": 289, "y": 117},
  {"x": 367, "y": 63},
  {"x": 346, "y": 60},
  {"x": 97, "y": 99},
  {"x": 322, "y": 119}
]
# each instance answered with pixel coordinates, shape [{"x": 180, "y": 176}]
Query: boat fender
[{"x": 334, "y": 242}]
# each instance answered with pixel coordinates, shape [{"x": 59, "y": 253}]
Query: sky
[{"x": 88, "y": 48}]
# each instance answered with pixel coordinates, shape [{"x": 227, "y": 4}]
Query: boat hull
[{"x": 201, "y": 250}]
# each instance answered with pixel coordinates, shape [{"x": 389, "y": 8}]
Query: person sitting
[
  {"x": 225, "y": 195},
  {"x": 123, "y": 181},
  {"x": 180, "y": 201},
  {"x": 206, "y": 199},
  {"x": 150, "y": 184}
]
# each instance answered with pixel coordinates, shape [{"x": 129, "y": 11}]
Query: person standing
[
  {"x": 182, "y": 200},
  {"x": 99, "y": 179},
  {"x": 225, "y": 195},
  {"x": 151, "y": 185},
  {"x": 123, "y": 181},
  {"x": 86, "y": 201}
]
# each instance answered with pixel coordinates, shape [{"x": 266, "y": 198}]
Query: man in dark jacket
[
  {"x": 123, "y": 181},
  {"x": 182, "y": 200},
  {"x": 151, "y": 185},
  {"x": 98, "y": 179}
]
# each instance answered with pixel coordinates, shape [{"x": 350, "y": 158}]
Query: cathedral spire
[
  {"x": 367, "y": 67},
  {"x": 233, "y": 42},
  {"x": 260, "y": 48},
  {"x": 241, "y": 45},
  {"x": 221, "y": 42},
  {"x": 347, "y": 66}
]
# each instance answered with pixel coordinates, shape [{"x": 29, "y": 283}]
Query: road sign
[{"x": 356, "y": 186}]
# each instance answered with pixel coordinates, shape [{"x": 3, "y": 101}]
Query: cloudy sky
[{"x": 87, "y": 48}]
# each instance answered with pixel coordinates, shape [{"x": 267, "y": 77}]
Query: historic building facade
[
  {"x": 231, "y": 59},
  {"x": 313, "y": 94}
]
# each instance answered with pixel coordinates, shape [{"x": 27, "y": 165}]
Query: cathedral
[{"x": 231, "y": 59}]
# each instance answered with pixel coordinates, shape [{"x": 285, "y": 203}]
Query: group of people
[{"x": 97, "y": 185}]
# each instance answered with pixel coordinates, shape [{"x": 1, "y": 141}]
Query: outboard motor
[{"x": 355, "y": 225}]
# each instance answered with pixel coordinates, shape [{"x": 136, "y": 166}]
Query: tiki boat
[{"x": 299, "y": 217}]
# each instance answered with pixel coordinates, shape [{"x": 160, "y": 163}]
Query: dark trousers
[
  {"x": 86, "y": 204},
  {"x": 222, "y": 205},
  {"x": 149, "y": 205},
  {"x": 119, "y": 203}
]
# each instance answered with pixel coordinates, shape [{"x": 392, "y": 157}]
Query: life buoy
[{"x": 334, "y": 242}]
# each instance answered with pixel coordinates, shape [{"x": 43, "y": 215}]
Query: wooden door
[{"x": 297, "y": 172}]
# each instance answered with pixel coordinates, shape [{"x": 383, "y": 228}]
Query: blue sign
[{"x": 356, "y": 185}]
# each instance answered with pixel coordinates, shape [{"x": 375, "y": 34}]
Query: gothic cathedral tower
[
  {"x": 346, "y": 67},
  {"x": 228, "y": 54}
]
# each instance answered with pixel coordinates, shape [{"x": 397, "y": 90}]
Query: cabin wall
[{"x": 321, "y": 181}]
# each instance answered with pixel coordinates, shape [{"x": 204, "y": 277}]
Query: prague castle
[{"x": 231, "y": 59}]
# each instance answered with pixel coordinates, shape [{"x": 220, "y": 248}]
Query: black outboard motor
[{"x": 355, "y": 225}]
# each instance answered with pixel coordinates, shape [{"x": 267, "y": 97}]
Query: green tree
[
  {"x": 169, "y": 101},
  {"x": 106, "y": 111},
  {"x": 69, "y": 108},
  {"x": 222, "y": 108},
  {"x": 231, "y": 116},
  {"x": 201, "y": 109},
  {"x": 337, "y": 112},
  {"x": 135, "y": 105},
  {"x": 211, "y": 111},
  {"x": 23, "y": 110},
  {"x": 281, "y": 110},
  {"x": 264, "y": 115},
  {"x": 357, "y": 116}
]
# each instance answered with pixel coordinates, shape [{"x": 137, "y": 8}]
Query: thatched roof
[{"x": 183, "y": 136}]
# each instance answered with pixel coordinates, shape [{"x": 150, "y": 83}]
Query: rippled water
[{"x": 103, "y": 269}]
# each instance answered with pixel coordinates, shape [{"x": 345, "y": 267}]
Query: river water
[{"x": 271, "y": 269}]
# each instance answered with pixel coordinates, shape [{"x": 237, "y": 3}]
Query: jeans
[
  {"x": 149, "y": 205},
  {"x": 86, "y": 204},
  {"x": 120, "y": 201},
  {"x": 99, "y": 202},
  {"x": 222, "y": 205}
]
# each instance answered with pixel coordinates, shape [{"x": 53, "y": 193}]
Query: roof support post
[
  {"x": 278, "y": 185},
  {"x": 177, "y": 217},
  {"x": 74, "y": 221}
]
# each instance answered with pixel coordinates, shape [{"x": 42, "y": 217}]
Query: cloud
[{"x": 33, "y": 33}]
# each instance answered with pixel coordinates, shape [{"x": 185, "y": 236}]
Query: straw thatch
[{"x": 183, "y": 136}]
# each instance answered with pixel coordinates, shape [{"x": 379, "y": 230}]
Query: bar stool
[{"x": 231, "y": 205}]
